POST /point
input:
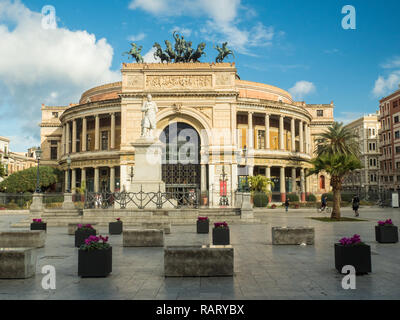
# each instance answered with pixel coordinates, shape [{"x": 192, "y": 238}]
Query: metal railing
[{"x": 176, "y": 198}]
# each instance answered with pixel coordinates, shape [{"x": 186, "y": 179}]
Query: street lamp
[
  {"x": 223, "y": 201},
  {"x": 69, "y": 166},
  {"x": 38, "y": 153}
]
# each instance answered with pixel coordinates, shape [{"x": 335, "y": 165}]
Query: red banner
[{"x": 222, "y": 188}]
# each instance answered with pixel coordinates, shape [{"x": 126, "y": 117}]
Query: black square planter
[
  {"x": 203, "y": 226},
  {"x": 39, "y": 226},
  {"x": 386, "y": 234},
  {"x": 115, "y": 227},
  {"x": 82, "y": 235},
  {"x": 358, "y": 256},
  {"x": 95, "y": 263},
  {"x": 220, "y": 236}
]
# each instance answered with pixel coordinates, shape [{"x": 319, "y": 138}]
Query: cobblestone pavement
[{"x": 262, "y": 271}]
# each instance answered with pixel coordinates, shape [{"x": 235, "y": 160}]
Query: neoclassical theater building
[{"x": 228, "y": 129}]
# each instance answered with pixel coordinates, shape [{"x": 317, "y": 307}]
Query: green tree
[
  {"x": 2, "y": 170},
  {"x": 338, "y": 139},
  {"x": 259, "y": 183},
  {"x": 337, "y": 166},
  {"x": 25, "y": 181}
]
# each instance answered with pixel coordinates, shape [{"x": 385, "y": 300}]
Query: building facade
[
  {"x": 14, "y": 161},
  {"x": 366, "y": 180},
  {"x": 230, "y": 128},
  {"x": 389, "y": 137}
]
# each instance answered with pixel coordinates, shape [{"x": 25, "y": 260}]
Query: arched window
[{"x": 322, "y": 182}]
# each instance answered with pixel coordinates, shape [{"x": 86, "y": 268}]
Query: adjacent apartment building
[
  {"x": 15, "y": 161},
  {"x": 389, "y": 136},
  {"x": 366, "y": 179}
]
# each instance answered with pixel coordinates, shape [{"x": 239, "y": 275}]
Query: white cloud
[
  {"x": 384, "y": 86},
  {"x": 301, "y": 89},
  {"x": 137, "y": 37},
  {"x": 51, "y": 66},
  {"x": 149, "y": 56},
  {"x": 347, "y": 117},
  {"x": 224, "y": 17},
  {"x": 184, "y": 31}
]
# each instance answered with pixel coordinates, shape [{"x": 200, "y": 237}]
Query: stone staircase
[{"x": 61, "y": 218}]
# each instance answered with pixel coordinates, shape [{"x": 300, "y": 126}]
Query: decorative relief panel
[
  {"x": 223, "y": 79},
  {"x": 134, "y": 81},
  {"x": 179, "y": 82}
]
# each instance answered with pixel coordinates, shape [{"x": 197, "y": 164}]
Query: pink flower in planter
[
  {"x": 37, "y": 220},
  {"x": 202, "y": 218},
  {"x": 118, "y": 219},
  {"x": 221, "y": 225},
  {"x": 387, "y": 222},
  {"x": 356, "y": 239}
]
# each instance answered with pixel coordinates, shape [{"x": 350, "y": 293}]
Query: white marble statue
[{"x": 149, "y": 122}]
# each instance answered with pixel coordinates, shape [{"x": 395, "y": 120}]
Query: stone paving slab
[{"x": 262, "y": 271}]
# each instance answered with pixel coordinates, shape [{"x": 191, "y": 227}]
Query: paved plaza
[{"x": 262, "y": 271}]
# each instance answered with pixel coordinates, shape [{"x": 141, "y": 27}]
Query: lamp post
[
  {"x": 223, "y": 201},
  {"x": 38, "y": 153},
  {"x": 69, "y": 167}
]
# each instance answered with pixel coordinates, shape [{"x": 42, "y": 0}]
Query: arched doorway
[{"x": 181, "y": 169}]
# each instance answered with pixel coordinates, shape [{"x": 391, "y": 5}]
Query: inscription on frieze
[{"x": 179, "y": 82}]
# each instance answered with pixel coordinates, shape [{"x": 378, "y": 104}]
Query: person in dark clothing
[
  {"x": 287, "y": 204},
  {"x": 323, "y": 203},
  {"x": 356, "y": 205}
]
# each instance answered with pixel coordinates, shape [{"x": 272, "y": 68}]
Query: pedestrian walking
[
  {"x": 356, "y": 205},
  {"x": 287, "y": 204}
]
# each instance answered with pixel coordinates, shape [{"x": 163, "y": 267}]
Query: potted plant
[
  {"x": 386, "y": 232},
  {"x": 82, "y": 233},
  {"x": 115, "y": 227},
  {"x": 203, "y": 225},
  {"x": 352, "y": 251},
  {"x": 221, "y": 234},
  {"x": 273, "y": 206},
  {"x": 95, "y": 257},
  {"x": 38, "y": 224}
]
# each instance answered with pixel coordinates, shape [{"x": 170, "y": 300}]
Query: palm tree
[
  {"x": 260, "y": 184},
  {"x": 338, "y": 139},
  {"x": 337, "y": 165}
]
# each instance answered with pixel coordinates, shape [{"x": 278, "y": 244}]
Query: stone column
[
  {"x": 83, "y": 177},
  {"x": 74, "y": 136},
  {"x": 97, "y": 133},
  {"x": 67, "y": 138},
  {"x": 251, "y": 131},
  {"x": 84, "y": 134},
  {"x": 294, "y": 180},
  {"x": 251, "y": 171},
  {"x": 112, "y": 143},
  {"x": 307, "y": 133},
  {"x": 301, "y": 142},
  {"x": 267, "y": 143},
  {"x": 302, "y": 185},
  {"x": 96, "y": 179},
  {"x": 203, "y": 186},
  {"x": 62, "y": 151},
  {"x": 281, "y": 129},
  {"x": 73, "y": 181},
  {"x": 112, "y": 179},
  {"x": 307, "y": 182},
  {"x": 66, "y": 180},
  {"x": 268, "y": 175},
  {"x": 282, "y": 182},
  {"x": 293, "y": 134}
]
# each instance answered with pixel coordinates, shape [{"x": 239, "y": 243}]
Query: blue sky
[{"x": 296, "y": 45}]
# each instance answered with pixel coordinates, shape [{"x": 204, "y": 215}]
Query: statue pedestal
[
  {"x": 247, "y": 208},
  {"x": 37, "y": 206},
  {"x": 68, "y": 204},
  {"x": 148, "y": 175},
  {"x": 148, "y": 153}
]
